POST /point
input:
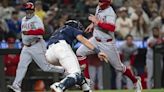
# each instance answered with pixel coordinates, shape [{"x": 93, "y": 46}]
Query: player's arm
[
  {"x": 84, "y": 41},
  {"x": 109, "y": 26}
]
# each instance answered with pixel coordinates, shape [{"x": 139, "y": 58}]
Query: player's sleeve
[
  {"x": 108, "y": 24},
  {"x": 76, "y": 32}
]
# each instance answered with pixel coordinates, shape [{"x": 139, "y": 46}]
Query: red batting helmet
[
  {"x": 29, "y": 6},
  {"x": 105, "y": 4}
]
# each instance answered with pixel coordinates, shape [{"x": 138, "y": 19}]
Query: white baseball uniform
[
  {"x": 149, "y": 62},
  {"x": 109, "y": 47},
  {"x": 36, "y": 50}
]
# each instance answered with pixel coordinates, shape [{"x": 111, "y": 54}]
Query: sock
[
  {"x": 86, "y": 71},
  {"x": 129, "y": 74}
]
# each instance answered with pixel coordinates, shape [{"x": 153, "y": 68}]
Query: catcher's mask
[{"x": 75, "y": 24}]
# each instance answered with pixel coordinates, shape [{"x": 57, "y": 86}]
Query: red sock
[
  {"x": 129, "y": 74},
  {"x": 86, "y": 71}
]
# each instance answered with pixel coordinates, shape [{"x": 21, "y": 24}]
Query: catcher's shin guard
[{"x": 70, "y": 81}]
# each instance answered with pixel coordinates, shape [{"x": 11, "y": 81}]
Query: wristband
[{"x": 96, "y": 50}]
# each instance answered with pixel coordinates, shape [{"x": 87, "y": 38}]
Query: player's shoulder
[
  {"x": 110, "y": 11},
  {"x": 36, "y": 17},
  {"x": 24, "y": 18}
]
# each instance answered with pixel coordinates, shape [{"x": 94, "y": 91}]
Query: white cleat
[
  {"x": 138, "y": 85},
  {"x": 87, "y": 86},
  {"x": 14, "y": 88},
  {"x": 56, "y": 88}
]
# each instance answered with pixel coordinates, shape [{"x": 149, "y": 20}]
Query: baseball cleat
[
  {"x": 138, "y": 85},
  {"x": 14, "y": 88},
  {"x": 56, "y": 87},
  {"x": 86, "y": 85}
]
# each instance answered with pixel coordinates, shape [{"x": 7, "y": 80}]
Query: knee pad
[{"x": 71, "y": 80}]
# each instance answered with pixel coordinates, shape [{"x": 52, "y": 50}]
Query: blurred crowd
[{"x": 134, "y": 17}]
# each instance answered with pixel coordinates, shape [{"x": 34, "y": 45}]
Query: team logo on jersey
[{"x": 30, "y": 25}]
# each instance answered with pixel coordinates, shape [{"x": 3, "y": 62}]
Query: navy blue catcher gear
[{"x": 75, "y": 24}]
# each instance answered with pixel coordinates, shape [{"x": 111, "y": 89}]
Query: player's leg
[
  {"x": 118, "y": 80},
  {"x": 92, "y": 72},
  {"x": 68, "y": 60},
  {"x": 69, "y": 81},
  {"x": 114, "y": 59},
  {"x": 84, "y": 66},
  {"x": 25, "y": 60},
  {"x": 82, "y": 53},
  {"x": 100, "y": 77},
  {"x": 39, "y": 57},
  {"x": 128, "y": 81},
  {"x": 149, "y": 66}
]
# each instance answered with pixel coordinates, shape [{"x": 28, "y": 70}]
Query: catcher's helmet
[
  {"x": 29, "y": 6},
  {"x": 75, "y": 24}
]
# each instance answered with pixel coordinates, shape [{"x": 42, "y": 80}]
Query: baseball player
[
  {"x": 103, "y": 27},
  {"x": 151, "y": 42},
  {"x": 34, "y": 47},
  {"x": 60, "y": 51},
  {"x": 128, "y": 50}
]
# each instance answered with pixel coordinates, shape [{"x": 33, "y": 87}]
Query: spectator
[
  {"x": 128, "y": 51},
  {"x": 162, "y": 22},
  {"x": 95, "y": 71},
  {"x": 151, "y": 42},
  {"x": 3, "y": 29},
  {"x": 7, "y": 13},
  {"x": 63, "y": 19},
  {"x": 80, "y": 6},
  {"x": 140, "y": 24},
  {"x": 118, "y": 3},
  {"x": 123, "y": 23},
  {"x": 14, "y": 24},
  {"x": 11, "y": 60},
  {"x": 2, "y": 10},
  {"x": 39, "y": 86},
  {"x": 90, "y": 6},
  {"x": 48, "y": 28},
  {"x": 39, "y": 10},
  {"x": 21, "y": 13},
  {"x": 155, "y": 21}
]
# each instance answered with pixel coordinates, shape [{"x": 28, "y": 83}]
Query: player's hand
[
  {"x": 89, "y": 28},
  {"x": 24, "y": 32},
  {"x": 103, "y": 57},
  {"x": 93, "y": 19}
]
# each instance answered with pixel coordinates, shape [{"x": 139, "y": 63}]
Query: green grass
[{"x": 152, "y": 90}]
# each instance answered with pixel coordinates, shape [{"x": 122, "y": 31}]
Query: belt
[
  {"x": 99, "y": 40},
  {"x": 32, "y": 43}
]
